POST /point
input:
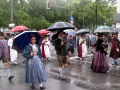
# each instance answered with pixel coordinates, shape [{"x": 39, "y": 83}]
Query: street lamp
[
  {"x": 96, "y": 17},
  {"x": 11, "y": 19},
  {"x": 11, "y": 11}
]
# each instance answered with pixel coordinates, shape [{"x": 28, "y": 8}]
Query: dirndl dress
[
  {"x": 35, "y": 72},
  {"x": 99, "y": 62}
]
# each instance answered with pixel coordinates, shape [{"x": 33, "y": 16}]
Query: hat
[
  {"x": 1, "y": 34},
  {"x": 116, "y": 33},
  {"x": 12, "y": 34},
  {"x": 60, "y": 31},
  {"x": 100, "y": 34}
]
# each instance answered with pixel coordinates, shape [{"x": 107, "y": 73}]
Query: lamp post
[
  {"x": 11, "y": 19},
  {"x": 96, "y": 15},
  {"x": 11, "y": 11}
]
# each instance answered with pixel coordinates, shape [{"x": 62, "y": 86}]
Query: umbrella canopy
[
  {"x": 19, "y": 29},
  {"x": 43, "y": 31},
  {"x": 23, "y": 39},
  {"x": 70, "y": 31},
  {"x": 117, "y": 29},
  {"x": 60, "y": 26},
  {"x": 82, "y": 31},
  {"x": 104, "y": 29}
]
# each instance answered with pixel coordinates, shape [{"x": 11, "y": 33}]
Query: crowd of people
[{"x": 64, "y": 45}]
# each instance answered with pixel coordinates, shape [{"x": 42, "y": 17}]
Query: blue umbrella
[
  {"x": 23, "y": 39},
  {"x": 70, "y": 31}
]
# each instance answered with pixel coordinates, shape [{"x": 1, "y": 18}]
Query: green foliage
[{"x": 34, "y": 14}]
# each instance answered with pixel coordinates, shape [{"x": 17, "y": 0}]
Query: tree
[{"x": 34, "y": 14}]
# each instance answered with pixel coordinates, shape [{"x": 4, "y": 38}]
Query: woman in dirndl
[
  {"x": 45, "y": 48},
  {"x": 99, "y": 62},
  {"x": 34, "y": 70},
  {"x": 82, "y": 48}
]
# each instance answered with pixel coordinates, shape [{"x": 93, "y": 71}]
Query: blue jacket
[{"x": 27, "y": 51}]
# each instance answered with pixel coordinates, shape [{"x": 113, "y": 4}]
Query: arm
[
  {"x": 26, "y": 52},
  {"x": 58, "y": 44}
]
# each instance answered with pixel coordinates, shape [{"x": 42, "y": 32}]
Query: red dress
[{"x": 80, "y": 50}]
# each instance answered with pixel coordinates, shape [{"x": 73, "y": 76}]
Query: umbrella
[
  {"x": 19, "y": 29},
  {"x": 51, "y": 34},
  {"x": 70, "y": 31},
  {"x": 82, "y": 31},
  {"x": 104, "y": 29},
  {"x": 43, "y": 31},
  {"x": 23, "y": 39},
  {"x": 60, "y": 26},
  {"x": 117, "y": 29}
]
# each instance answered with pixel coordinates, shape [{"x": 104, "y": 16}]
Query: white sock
[
  {"x": 59, "y": 69},
  {"x": 8, "y": 71},
  {"x": 41, "y": 84},
  {"x": 61, "y": 72}
]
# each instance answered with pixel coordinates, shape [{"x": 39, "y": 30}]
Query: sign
[
  {"x": 71, "y": 19},
  {"x": 11, "y": 25}
]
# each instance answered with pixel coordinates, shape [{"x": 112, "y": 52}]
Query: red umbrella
[
  {"x": 19, "y": 29},
  {"x": 43, "y": 31}
]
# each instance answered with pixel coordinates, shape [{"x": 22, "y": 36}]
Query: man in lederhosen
[
  {"x": 61, "y": 51},
  {"x": 4, "y": 55}
]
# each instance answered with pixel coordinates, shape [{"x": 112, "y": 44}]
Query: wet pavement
[{"x": 79, "y": 76}]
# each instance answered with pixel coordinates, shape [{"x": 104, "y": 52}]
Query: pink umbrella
[
  {"x": 19, "y": 29},
  {"x": 43, "y": 31}
]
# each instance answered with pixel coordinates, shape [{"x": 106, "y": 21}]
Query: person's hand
[
  {"x": 117, "y": 50},
  {"x": 62, "y": 43},
  {"x": 103, "y": 43},
  {"x": 31, "y": 54}
]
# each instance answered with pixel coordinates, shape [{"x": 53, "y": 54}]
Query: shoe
[
  {"x": 84, "y": 59},
  {"x": 62, "y": 78},
  {"x": 58, "y": 72},
  {"x": 15, "y": 63},
  {"x": 116, "y": 63},
  {"x": 23, "y": 61},
  {"x": 43, "y": 87},
  {"x": 69, "y": 63},
  {"x": 80, "y": 59},
  {"x": 113, "y": 64},
  {"x": 32, "y": 86},
  {"x": 48, "y": 60},
  {"x": 10, "y": 78}
]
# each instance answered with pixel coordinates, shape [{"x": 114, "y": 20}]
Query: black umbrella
[
  {"x": 82, "y": 31},
  {"x": 60, "y": 26},
  {"x": 117, "y": 29}
]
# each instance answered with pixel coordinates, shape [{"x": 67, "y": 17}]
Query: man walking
[
  {"x": 4, "y": 55},
  {"x": 61, "y": 51},
  {"x": 115, "y": 51}
]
